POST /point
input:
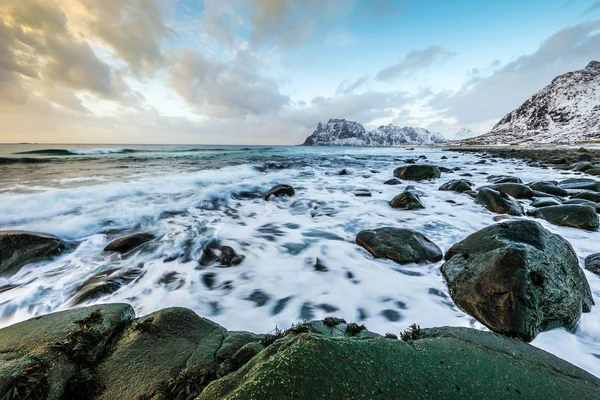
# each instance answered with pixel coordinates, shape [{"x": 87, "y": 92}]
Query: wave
[
  {"x": 65, "y": 152},
  {"x": 23, "y": 160}
]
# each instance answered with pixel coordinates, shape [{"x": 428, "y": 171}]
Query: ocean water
[{"x": 189, "y": 196}]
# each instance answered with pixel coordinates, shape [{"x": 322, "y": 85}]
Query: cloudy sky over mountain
[{"x": 266, "y": 71}]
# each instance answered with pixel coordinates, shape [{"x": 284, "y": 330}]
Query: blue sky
[{"x": 267, "y": 71}]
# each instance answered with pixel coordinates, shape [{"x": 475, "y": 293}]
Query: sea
[{"x": 300, "y": 257}]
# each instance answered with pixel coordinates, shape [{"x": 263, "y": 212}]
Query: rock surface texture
[{"x": 18, "y": 248}]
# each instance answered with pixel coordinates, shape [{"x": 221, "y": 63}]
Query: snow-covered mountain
[
  {"x": 464, "y": 133},
  {"x": 567, "y": 110},
  {"x": 339, "y": 132}
]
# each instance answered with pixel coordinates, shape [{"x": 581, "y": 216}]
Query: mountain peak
[{"x": 593, "y": 66}]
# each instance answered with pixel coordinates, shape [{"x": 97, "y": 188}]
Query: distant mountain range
[
  {"x": 340, "y": 132},
  {"x": 567, "y": 110},
  {"x": 464, "y": 133}
]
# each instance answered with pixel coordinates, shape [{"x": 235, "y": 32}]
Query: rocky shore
[{"x": 515, "y": 277}]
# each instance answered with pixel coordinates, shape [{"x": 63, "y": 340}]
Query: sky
[{"x": 267, "y": 71}]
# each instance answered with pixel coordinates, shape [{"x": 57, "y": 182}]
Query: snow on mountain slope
[
  {"x": 567, "y": 110},
  {"x": 339, "y": 132},
  {"x": 464, "y": 133}
]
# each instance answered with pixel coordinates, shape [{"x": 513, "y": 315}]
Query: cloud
[
  {"x": 491, "y": 97},
  {"x": 594, "y": 7},
  {"x": 229, "y": 89},
  {"x": 414, "y": 62},
  {"x": 349, "y": 87}
]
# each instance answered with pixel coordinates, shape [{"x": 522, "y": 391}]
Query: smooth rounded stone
[
  {"x": 446, "y": 170},
  {"x": 594, "y": 171},
  {"x": 503, "y": 179},
  {"x": 575, "y": 216},
  {"x": 280, "y": 190},
  {"x": 582, "y": 166},
  {"x": 516, "y": 190},
  {"x": 583, "y": 202},
  {"x": 580, "y": 184},
  {"x": 545, "y": 202},
  {"x": 393, "y": 181},
  {"x": 548, "y": 187},
  {"x": 18, "y": 248},
  {"x": 42, "y": 357},
  {"x": 445, "y": 363},
  {"x": 104, "y": 283},
  {"x": 470, "y": 193},
  {"x": 457, "y": 185},
  {"x": 417, "y": 172},
  {"x": 592, "y": 263},
  {"x": 407, "y": 201},
  {"x": 403, "y": 246},
  {"x": 128, "y": 243},
  {"x": 498, "y": 202},
  {"x": 362, "y": 193},
  {"x": 518, "y": 279},
  {"x": 587, "y": 195},
  {"x": 224, "y": 256}
]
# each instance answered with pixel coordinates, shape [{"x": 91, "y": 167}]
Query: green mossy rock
[{"x": 445, "y": 363}]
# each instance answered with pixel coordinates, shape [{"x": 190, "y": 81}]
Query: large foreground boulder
[
  {"x": 499, "y": 202},
  {"x": 417, "y": 172},
  {"x": 403, "y": 246},
  {"x": 572, "y": 215},
  {"x": 18, "y": 248},
  {"x": 517, "y": 279}
]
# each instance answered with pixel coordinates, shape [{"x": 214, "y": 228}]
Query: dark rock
[
  {"x": 403, "y": 246},
  {"x": 594, "y": 171},
  {"x": 171, "y": 280},
  {"x": 18, "y": 248},
  {"x": 496, "y": 179},
  {"x": 393, "y": 181},
  {"x": 417, "y": 172},
  {"x": 457, "y": 185},
  {"x": 446, "y": 170},
  {"x": 344, "y": 172},
  {"x": 499, "y": 202},
  {"x": 592, "y": 263},
  {"x": 582, "y": 166},
  {"x": 516, "y": 190},
  {"x": 209, "y": 279},
  {"x": 391, "y": 315},
  {"x": 518, "y": 279},
  {"x": 259, "y": 297},
  {"x": 584, "y": 202},
  {"x": 587, "y": 195},
  {"x": 280, "y": 190},
  {"x": 545, "y": 202},
  {"x": 226, "y": 257},
  {"x": 129, "y": 243},
  {"x": 105, "y": 283},
  {"x": 280, "y": 305},
  {"x": 362, "y": 193},
  {"x": 575, "y": 216},
  {"x": 407, "y": 201},
  {"x": 580, "y": 184},
  {"x": 548, "y": 187}
]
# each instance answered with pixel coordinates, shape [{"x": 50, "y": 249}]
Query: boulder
[
  {"x": 407, "y": 201},
  {"x": 104, "y": 283},
  {"x": 580, "y": 184},
  {"x": 362, "y": 193},
  {"x": 18, "y": 248},
  {"x": 592, "y": 263},
  {"x": 584, "y": 202},
  {"x": 518, "y": 279},
  {"x": 548, "y": 187},
  {"x": 403, "y": 246},
  {"x": 587, "y": 195},
  {"x": 498, "y": 202},
  {"x": 280, "y": 190},
  {"x": 545, "y": 202},
  {"x": 440, "y": 363},
  {"x": 516, "y": 190},
  {"x": 417, "y": 172},
  {"x": 457, "y": 185},
  {"x": 575, "y": 216},
  {"x": 393, "y": 181},
  {"x": 503, "y": 179},
  {"x": 223, "y": 256},
  {"x": 129, "y": 243}
]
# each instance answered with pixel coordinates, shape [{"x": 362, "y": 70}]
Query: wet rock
[
  {"x": 343, "y": 172},
  {"x": 457, "y": 185},
  {"x": 545, "y": 202},
  {"x": 403, "y": 246},
  {"x": 417, "y": 172},
  {"x": 171, "y": 281},
  {"x": 516, "y": 190},
  {"x": 320, "y": 266},
  {"x": 280, "y": 190},
  {"x": 280, "y": 305},
  {"x": 362, "y": 193},
  {"x": 584, "y": 202},
  {"x": 259, "y": 297},
  {"x": 548, "y": 187},
  {"x": 575, "y": 216},
  {"x": 592, "y": 263},
  {"x": 593, "y": 171},
  {"x": 503, "y": 179},
  {"x": 224, "y": 256},
  {"x": 393, "y": 181},
  {"x": 105, "y": 283},
  {"x": 580, "y": 184},
  {"x": 129, "y": 243},
  {"x": 587, "y": 195},
  {"x": 407, "y": 201},
  {"x": 209, "y": 279},
  {"x": 582, "y": 166},
  {"x": 446, "y": 170},
  {"x": 391, "y": 315},
  {"x": 499, "y": 202},
  {"x": 518, "y": 279},
  {"x": 18, "y": 248}
]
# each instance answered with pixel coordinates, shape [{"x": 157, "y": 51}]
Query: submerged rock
[
  {"x": 592, "y": 263},
  {"x": 575, "y": 216},
  {"x": 499, "y": 202},
  {"x": 407, "y": 201},
  {"x": 224, "y": 256},
  {"x": 105, "y": 283},
  {"x": 517, "y": 279},
  {"x": 417, "y": 172},
  {"x": 280, "y": 190},
  {"x": 403, "y": 246},
  {"x": 393, "y": 181},
  {"x": 128, "y": 243},
  {"x": 18, "y": 248}
]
